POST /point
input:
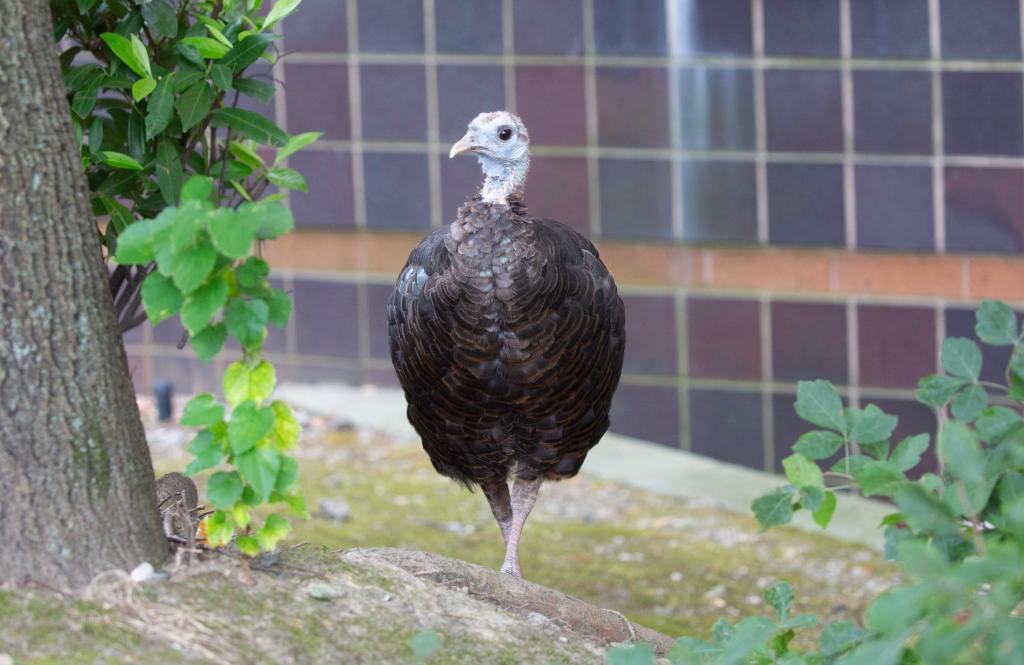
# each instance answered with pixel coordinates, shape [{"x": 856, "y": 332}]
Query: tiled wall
[{"x": 815, "y": 133}]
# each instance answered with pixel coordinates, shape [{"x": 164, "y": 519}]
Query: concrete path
[{"x": 630, "y": 461}]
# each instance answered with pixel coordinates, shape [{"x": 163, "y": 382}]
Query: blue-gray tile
[
  {"x": 319, "y": 99},
  {"x": 319, "y": 26},
  {"x": 263, "y": 72},
  {"x": 961, "y": 323},
  {"x": 980, "y": 29},
  {"x": 981, "y": 113},
  {"x": 551, "y": 101},
  {"x": 394, "y": 102},
  {"x": 632, "y": 106},
  {"x": 326, "y": 318},
  {"x": 803, "y": 110},
  {"x": 715, "y": 27},
  {"x": 465, "y": 91},
  {"x": 894, "y": 207},
  {"x": 892, "y": 111},
  {"x": 727, "y": 425},
  {"x": 397, "y": 191},
  {"x": 896, "y": 345},
  {"x": 175, "y": 367},
  {"x": 391, "y": 26},
  {"x": 635, "y": 199},
  {"x": 552, "y": 27},
  {"x": 647, "y": 412},
  {"x": 328, "y": 203},
  {"x": 468, "y": 26},
  {"x": 805, "y": 204},
  {"x": 723, "y": 338},
  {"x": 719, "y": 202},
  {"x": 717, "y": 108},
  {"x": 806, "y": 28},
  {"x": 460, "y": 179},
  {"x": 377, "y": 296},
  {"x": 557, "y": 188},
  {"x": 630, "y": 27},
  {"x": 809, "y": 341},
  {"x": 984, "y": 209},
  {"x": 651, "y": 338},
  {"x": 887, "y": 29}
]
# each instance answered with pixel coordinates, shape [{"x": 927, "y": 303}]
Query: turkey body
[{"x": 507, "y": 334}]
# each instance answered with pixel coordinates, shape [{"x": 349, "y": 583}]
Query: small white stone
[
  {"x": 537, "y": 617},
  {"x": 143, "y": 572},
  {"x": 334, "y": 509}
]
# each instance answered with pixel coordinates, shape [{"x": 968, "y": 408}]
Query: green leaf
[
  {"x": 818, "y": 444},
  {"x": 245, "y": 52},
  {"x": 232, "y": 234},
  {"x": 208, "y": 48},
  {"x": 961, "y": 453},
  {"x": 970, "y": 403},
  {"x": 424, "y": 645},
  {"x": 160, "y": 298},
  {"x": 253, "y": 273},
  {"x": 128, "y": 53},
  {"x": 751, "y": 634},
  {"x": 160, "y": 107},
  {"x": 802, "y": 472},
  {"x": 161, "y": 18},
  {"x": 119, "y": 160},
  {"x": 781, "y": 598},
  {"x": 96, "y": 136},
  {"x": 248, "y": 426},
  {"x": 84, "y": 5},
  {"x": 287, "y": 475},
  {"x": 259, "y": 466},
  {"x": 215, "y": 32},
  {"x": 194, "y": 105},
  {"x": 897, "y": 609},
  {"x": 839, "y": 636},
  {"x": 201, "y": 305},
  {"x": 279, "y": 308},
  {"x": 870, "y": 425},
  {"x": 246, "y": 155},
  {"x": 273, "y": 219},
  {"x": 996, "y": 323},
  {"x": 197, "y": 188},
  {"x": 908, "y": 453},
  {"x": 189, "y": 268},
  {"x": 774, "y": 508},
  {"x": 287, "y": 179},
  {"x": 250, "y": 125},
  {"x": 236, "y": 383},
  {"x": 961, "y": 358},
  {"x": 274, "y": 531},
  {"x": 818, "y": 402},
  {"x": 822, "y": 515},
  {"x": 880, "y": 478},
  {"x": 937, "y": 389},
  {"x": 218, "y": 530},
  {"x": 221, "y": 75},
  {"x": 135, "y": 244},
  {"x": 139, "y": 50},
  {"x": 209, "y": 341},
  {"x": 637, "y": 653},
  {"x": 280, "y": 10},
  {"x": 248, "y": 545},
  {"x": 143, "y": 87},
  {"x": 207, "y": 451},
  {"x": 996, "y": 422},
  {"x": 202, "y": 411},
  {"x": 224, "y": 489},
  {"x": 136, "y": 134},
  {"x": 246, "y": 320},
  {"x": 286, "y": 428},
  {"x": 169, "y": 172},
  {"x": 262, "y": 379},
  {"x": 296, "y": 143},
  {"x": 923, "y": 512},
  {"x": 261, "y": 91}
]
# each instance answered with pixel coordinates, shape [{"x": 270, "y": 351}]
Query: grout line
[
  {"x": 291, "y": 331},
  {"x": 849, "y": 181},
  {"x": 767, "y": 412},
  {"x": 590, "y": 107},
  {"x": 433, "y": 112},
  {"x": 508, "y": 57},
  {"x": 682, "y": 372},
  {"x": 673, "y": 26},
  {"x": 853, "y": 351},
  {"x": 356, "y": 115},
  {"x": 760, "y": 123},
  {"x": 938, "y": 139}
]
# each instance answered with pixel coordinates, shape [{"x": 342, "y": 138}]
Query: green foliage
[
  {"x": 959, "y": 534},
  {"x": 175, "y": 169}
]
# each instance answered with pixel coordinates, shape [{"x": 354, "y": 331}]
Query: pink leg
[
  {"x": 501, "y": 505},
  {"x": 524, "y": 494}
]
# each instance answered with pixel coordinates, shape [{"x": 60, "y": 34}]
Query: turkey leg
[
  {"x": 524, "y": 494},
  {"x": 501, "y": 505}
]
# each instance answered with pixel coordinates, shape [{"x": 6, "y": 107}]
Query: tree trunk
[{"x": 76, "y": 481}]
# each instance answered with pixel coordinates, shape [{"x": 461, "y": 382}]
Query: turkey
[{"x": 507, "y": 334}]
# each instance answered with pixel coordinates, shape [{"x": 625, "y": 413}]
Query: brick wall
[{"x": 784, "y": 189}]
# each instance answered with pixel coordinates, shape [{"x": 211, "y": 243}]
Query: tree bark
[{"x": 77, "y": 490}]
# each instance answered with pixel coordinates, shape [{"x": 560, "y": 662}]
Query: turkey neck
[{"x": 492, "y": 249}]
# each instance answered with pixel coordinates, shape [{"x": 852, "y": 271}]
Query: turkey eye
[{"x": 505, "y": 133}]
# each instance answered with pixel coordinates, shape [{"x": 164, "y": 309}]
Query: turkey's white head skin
[{"x": 501, "y": 144}]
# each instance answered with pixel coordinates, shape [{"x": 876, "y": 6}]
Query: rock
[
  {"x": 143, "y": 572},
  {"x": 334, "y": 509},
  {"x": 321, "y": 591},
  {"x": 537, "y": 617},
  {"x": 6, "y": 660}
]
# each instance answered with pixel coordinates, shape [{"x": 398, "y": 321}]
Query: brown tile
[
  {"x": 771, "y": 270},
  {"x": 650, "y": 265},
  {"x": 348, "y": 252},
  {"x": 992, "y": 277},
  {"x": 899, "y": 275}
]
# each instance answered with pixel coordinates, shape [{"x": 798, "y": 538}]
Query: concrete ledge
[{"x": 620, "y": 458}]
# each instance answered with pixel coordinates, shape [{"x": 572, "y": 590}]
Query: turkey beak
[{"x": 465, "y": 144}]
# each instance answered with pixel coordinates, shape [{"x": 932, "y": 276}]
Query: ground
[{"x": 673, "y": 565}]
